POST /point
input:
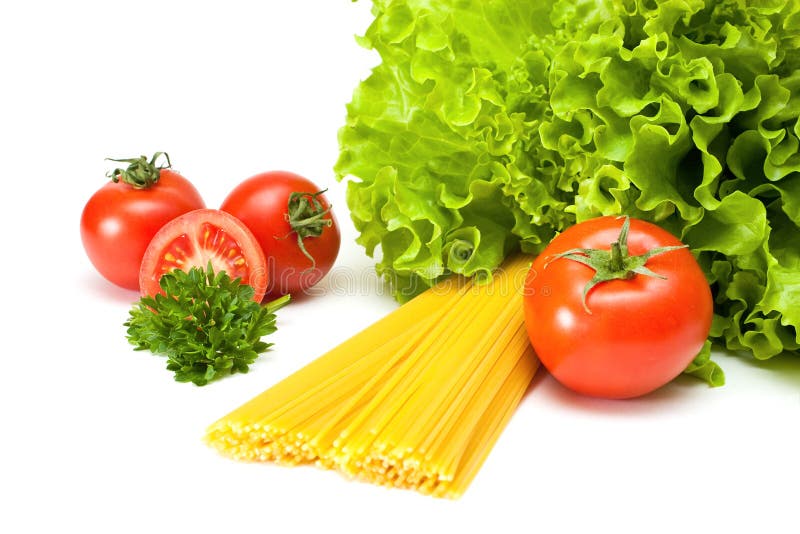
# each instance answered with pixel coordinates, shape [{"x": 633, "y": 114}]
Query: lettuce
[{"x": 491, "y": 125}]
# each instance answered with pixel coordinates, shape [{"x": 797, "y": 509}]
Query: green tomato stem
[
  {"x": 613, "y": 264},
  {"x": 140, "y": 173},
  {"x": 307, "y": 218},
  {"x": 617, "y": 261}
]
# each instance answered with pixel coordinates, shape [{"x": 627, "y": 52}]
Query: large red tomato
[
  {"x": 121, "y": 218},
  {"x": 293, "y": 222},
  {"x": 198, "y": 238},
  {"x": 616, "y": 307}
]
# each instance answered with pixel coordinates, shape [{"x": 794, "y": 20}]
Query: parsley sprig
[{"x": 206, "y": 324}]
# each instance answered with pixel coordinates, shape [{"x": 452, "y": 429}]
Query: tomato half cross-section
[
  {"x": 199, "y": 237},
  {"x": 616, "y": 307}
]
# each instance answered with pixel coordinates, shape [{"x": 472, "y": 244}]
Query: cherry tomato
[
  {"x": 294, "y": 225},
  {"x": 201, "y": 236},
  {"x": 121, "y": 218},
  {"x": 629, "y": 334}
]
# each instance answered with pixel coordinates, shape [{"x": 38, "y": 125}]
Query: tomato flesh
[
  {"x": 212, "y": 244},
  {"x": 199, "y": 238}
]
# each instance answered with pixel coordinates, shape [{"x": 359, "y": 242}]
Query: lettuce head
[{"x": 491, "y": 125}]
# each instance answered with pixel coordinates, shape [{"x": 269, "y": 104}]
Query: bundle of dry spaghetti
[{"x": 417, "y": 400}]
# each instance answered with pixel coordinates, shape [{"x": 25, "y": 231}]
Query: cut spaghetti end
[{"x": 416, "y": 401}]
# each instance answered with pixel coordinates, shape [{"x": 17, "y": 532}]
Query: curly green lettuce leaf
[
  {"x": 437, "y": 135},
  {"x": 491, "y": 126}
]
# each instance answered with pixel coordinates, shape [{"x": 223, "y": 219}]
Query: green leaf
[
  {"x": 491, "y": 126},
  {"x": 206, "y": 324},
  {"x": 704, "y": 368}
]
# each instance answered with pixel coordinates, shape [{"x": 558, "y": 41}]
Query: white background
[{"x": 95, "y": 437}]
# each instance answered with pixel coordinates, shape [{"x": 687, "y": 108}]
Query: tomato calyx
[
  {"x": 140, "y": 173},
  {"x": 306, "y": 217},
  {"x": 615, "y": 263}
]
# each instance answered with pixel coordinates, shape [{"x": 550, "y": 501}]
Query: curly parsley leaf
[{"x": 206, "y": 324}]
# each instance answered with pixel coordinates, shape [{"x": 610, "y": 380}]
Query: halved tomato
[{"x": 199, "y": 237}]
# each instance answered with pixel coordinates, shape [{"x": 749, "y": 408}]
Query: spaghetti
[{"x": 417, "y": 400}]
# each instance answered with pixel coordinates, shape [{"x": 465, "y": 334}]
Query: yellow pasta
[{"x": 415, "y": 401}]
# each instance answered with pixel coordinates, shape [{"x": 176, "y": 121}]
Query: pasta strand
[{"x": 415, "y": 401}]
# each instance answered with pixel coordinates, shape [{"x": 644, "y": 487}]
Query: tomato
[
  {"x": 196, "y": 238},
  {"x": 625, "y": 336},
  {"x": 294, "y": 225},
  {"x": 121, "y": 218}
]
